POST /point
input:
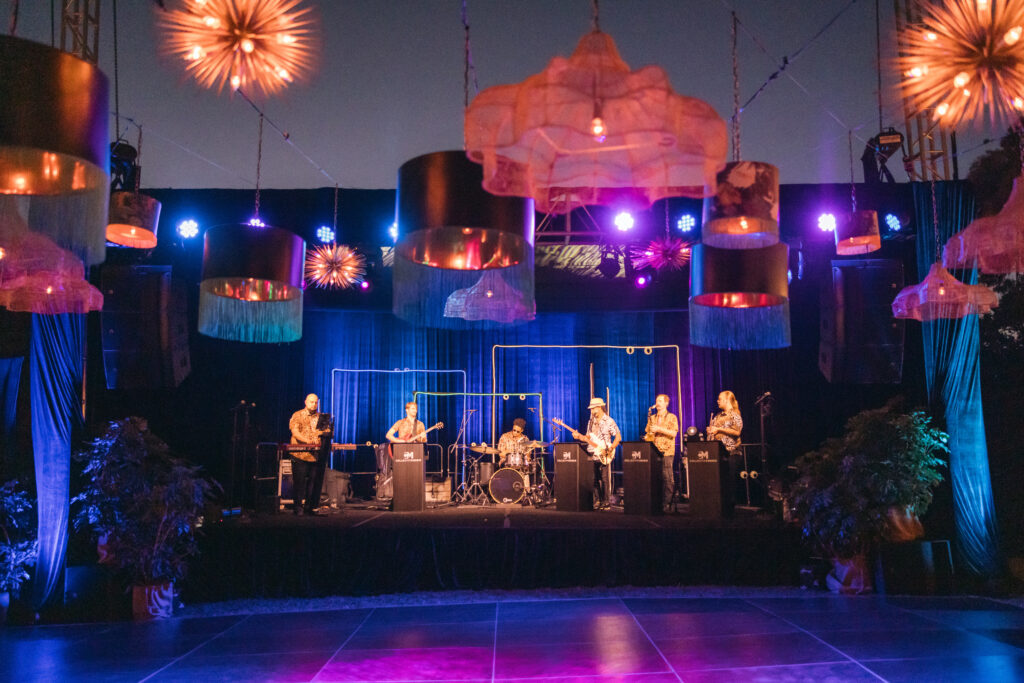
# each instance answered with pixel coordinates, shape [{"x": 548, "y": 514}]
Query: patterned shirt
[
  {"x": 732, "y": 421},
  {"x": 603, "y": 428},
  {"x": 303, "y": 428},
  {"x": 662, "y": 442},
  {"x": 510, "y": 440}
]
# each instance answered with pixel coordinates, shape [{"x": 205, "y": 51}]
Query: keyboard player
[{"x": 309, "y": 426}]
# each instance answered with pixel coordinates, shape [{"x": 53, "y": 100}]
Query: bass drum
[{"x": 507, "y": 486}]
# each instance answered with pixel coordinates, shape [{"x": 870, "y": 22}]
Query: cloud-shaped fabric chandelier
[{"x": 587, "y": 130}]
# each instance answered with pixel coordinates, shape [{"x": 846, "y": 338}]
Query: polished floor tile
[{"x": 816, "y": 638}]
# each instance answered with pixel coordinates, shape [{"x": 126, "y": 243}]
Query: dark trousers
[
  {"x": 668, "y": 480},
  {"x": 319, "y": 468},
  {"x": 303, "y": 475},
  {"x": 602, "y": 482}
]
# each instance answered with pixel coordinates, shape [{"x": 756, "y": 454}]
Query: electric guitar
[
  {"x": 439, "y": 425},
  {"x": 597, "y": 447}
]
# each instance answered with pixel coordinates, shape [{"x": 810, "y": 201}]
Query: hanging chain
[
  {"x": 595, "y": 17},
  {"x": 935, "y": 220},
  {"x": 1019, "y": 129},
  {"x": 735, "y": 89},
  {"x": 878, "y": 58},
  {"x": 335, "y": 209},
  {"x": 138, "y": 161},
  {"x": 853, "y": 186},
  {"x": 259, "y": 162},
  {"x": 117, "y": 91},
  {"x": 465, "y": 65}
]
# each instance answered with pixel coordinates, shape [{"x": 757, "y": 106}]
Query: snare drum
[
  {"x": 507, "y": 486},
  {"x": 517, "y": 459}
]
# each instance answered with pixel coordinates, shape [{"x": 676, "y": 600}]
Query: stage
[{"x": 366, "y": 549}]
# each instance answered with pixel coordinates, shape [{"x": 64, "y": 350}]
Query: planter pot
[
  {"x": 904, "y": 525},
  {"x": 153, "y": 601},
  {"x": 5, "y": 602},
  {"x": 849, "y": 576}
]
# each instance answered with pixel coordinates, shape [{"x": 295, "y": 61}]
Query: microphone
[
  {"x": 532, "y": 410},
  {"x": 763, "y": 396},
  {"x": 471, "y": 410}
]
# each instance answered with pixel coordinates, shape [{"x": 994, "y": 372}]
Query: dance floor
[{"x": 814, "y": 637}]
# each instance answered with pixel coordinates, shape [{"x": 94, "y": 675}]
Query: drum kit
[{"x": 521, "y": 478}]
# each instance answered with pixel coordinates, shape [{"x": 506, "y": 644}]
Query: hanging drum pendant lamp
[
  {"x": 134, "y": 219},
  {"x": 744, "y": 212},
  {"x": 53, "y": 143},
  {"x": 446, "y": 219},
  {"x": 739, "y": 298},
  {"x": 251, "y": 289},
  {"x": 857, "y": 233}
]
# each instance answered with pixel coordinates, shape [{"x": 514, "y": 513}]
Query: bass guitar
[{"x": 599, "y": 449}]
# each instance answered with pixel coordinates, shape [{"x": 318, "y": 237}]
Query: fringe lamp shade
[
  {"x": 53, "y": 144},
  {"x": 134, "y": 219},
  {"x": 739, "y": 298},
  {"x": 857, "y": 233},
  {"x": 942, "y": 296},
  {"x": 587, "y": 130},
  {"x": 744, "y": 212},
  {"x": 995, "y": 244},
  {"x": 251, "y": 290},
  {"x": 446, "y": 220},
  {"x": 491, "y": 298}
]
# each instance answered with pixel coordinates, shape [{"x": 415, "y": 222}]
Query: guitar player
[{"x": 602, "y": 438}]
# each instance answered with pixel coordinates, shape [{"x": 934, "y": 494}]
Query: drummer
[{"x": 512, "y": 446}]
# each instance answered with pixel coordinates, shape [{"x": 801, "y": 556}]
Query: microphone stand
[{"x": 459, "y": 495}]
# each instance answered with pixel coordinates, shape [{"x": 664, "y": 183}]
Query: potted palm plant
[
  {"x": 866, "y": 487},
  {"x": 18, "y": 544},
  {"x": 143, "y": 505}
]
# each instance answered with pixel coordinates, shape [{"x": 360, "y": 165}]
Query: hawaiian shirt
[
  {"x": 603, "y": 428},
  {"x": 731, "y": 420},
  {"x": 663, "y": 443},
  {"x": 303, "y": 428}
]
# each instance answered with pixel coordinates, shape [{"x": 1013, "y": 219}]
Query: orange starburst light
[
  {"x": 257, "y": 45},
  {"x": 334, "y": 266},
  {"x": 966, "y": 57}
]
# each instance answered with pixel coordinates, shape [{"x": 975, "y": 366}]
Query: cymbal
[
  {"x": 536, "y": 444},
  {"x": 485, "y": 449}
]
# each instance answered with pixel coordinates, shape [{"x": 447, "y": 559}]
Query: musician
[
  {"x": 601, "y": 430},
  {"x": 408, "y": 429},
  {"x": 727, "y": 425},
  {"x": 662, "y": 428},
  {"x": 306, "y": 426},
  {"x": 512, "y": 444}
]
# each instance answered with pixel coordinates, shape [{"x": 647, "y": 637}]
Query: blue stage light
[
  {"x": 325, "y": 234},
  {"x": 257, "y": 223},
  {"x": 188, "y": 228},
  {"x": 893, "y": 222},
  {"x": 686, "y": 222},
  {"x": 393, "y": 231}
]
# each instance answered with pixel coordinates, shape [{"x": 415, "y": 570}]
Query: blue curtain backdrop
[
  {"x": 366, "y": 404},
  {"x": 55, "y": 358},
  {"x": 954, "y": 387},
  {"x": 10, "y": 375}
]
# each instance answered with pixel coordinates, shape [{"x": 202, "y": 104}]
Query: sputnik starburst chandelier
[
  {"x": 259, "y": 46},
  {"x": 334, "y": 266},
  {"x": 964, "y": 58},
  {"x": 664, "y": 253}
]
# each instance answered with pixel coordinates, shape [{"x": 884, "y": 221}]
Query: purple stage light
[
  {"x": 827, "y": 222},
  {"x": 642, "y": 281},
  {"x": 624, "y": 221}
]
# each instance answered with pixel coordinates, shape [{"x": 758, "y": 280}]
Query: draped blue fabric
[
  {"x": 55, "y": 363},
  {"x": 10, "y": 375},
  {"x": 952, "y": 350},
  {"x": 366, "y": 404}
]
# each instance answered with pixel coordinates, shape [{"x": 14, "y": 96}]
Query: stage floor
[
  {"x": 370, "y": 516},
  {"x": 814, "y": 637}
]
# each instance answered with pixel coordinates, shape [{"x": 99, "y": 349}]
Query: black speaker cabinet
[
  {"x": 711, "y": 491},
  {"x": 860, "y": 342},
  {"x": 574, "y": 478},
  {"x": 409, "y": 477},
  {"x": 144, "y": 328},
  {"x": 641, "y": 478}
]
